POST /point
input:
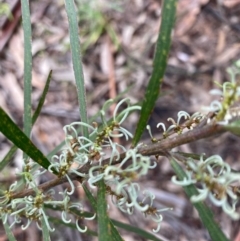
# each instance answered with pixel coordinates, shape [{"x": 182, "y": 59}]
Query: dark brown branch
[{"x": 190, "y": 136}]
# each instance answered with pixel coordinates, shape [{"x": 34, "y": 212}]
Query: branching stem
[{"x": 159, "y": 148}]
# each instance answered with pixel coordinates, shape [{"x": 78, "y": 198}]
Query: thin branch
[{"x": 190, "y": 136}]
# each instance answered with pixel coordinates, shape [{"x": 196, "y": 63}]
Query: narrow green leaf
[
  {"x": 135, "y": 230},
  {"x": 42, "y": 99},
  {"x": 90, "y": 197},
  {"x": 77, "y": 63},
  {"x": 104, "y": 230},
  {"x": 114, "y": 232},
  {"x": 14, "y": 134},
  {"x": 8, "y": 156},
  {"x": 205, "y": 213},
  {"x": 8, "y": 232},
  {"x": 159, "y": 66},
  {"x": 190, "y": 155},
  {"x": 27, "y": 32},
  {"x": 14, "y": 148},
  {"x": 45, "y": 231},
  {"x": 233, "y": 127},
  {"x": 55, "y": 150}
]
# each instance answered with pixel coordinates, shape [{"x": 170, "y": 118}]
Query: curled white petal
[
  {"x": 46, "y": 221},
  {"x": 64, "y": 218},
  {"x": 80, "y": 229},
  {"x": 183, "y": 114},
  {"x": 162, "y": 125},
  {"x": 71, "y": 185},
  {"x": 91, "y": 218},
  {"x": 186, "y": 180},
  {"x": 24, "y": 227},
  {"x": 201, "y": 196}
]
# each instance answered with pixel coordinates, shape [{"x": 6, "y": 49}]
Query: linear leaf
[
  {"x": 159, "y": 66},
  {"x": 104, "y": 232},
  {"x": 27, "y": 32},
  {"x": 233, "y": 127},
  {"x": 205, "y": 213},
  {"x": 8, "y": 156},
  {"x": 135, "y": 230},
  {"x": 42, "y": 98},
  {"x": 90, "y": 197},
  {"x": 55, "y": 150},
  {"x": 115, "y": 234},
  {"x": 77, "y": 62},
  {"x": 14, "y": 148},
  {"x": 8, "y": 232},
  {"x": 14, "y": 134},
  {"x": 45, "y": 231}
]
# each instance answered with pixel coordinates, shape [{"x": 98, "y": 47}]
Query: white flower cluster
[
  {"x": 90, "y": 151},
  {"x": 177, "y": 126},
  {"x": 229, "y": 95},
  {"x": 217, "y": 183},
  {"x": 126, "y": 192}
]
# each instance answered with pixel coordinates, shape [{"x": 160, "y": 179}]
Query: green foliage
[
  {"x": 14, "y": 134},
  {"x": 77, "y": 64},
  {"x": 27, "y": 31},
  {"x": 84, "y": 156},
  {"x": 45, "y": 231},
  {"x": 104, "y": 230},
  {"x": 159, "y": 66},
  {"x": 8, "y": 232},
  {"x": 234, "y": 127},
  {"x": 13, "y": 149}
]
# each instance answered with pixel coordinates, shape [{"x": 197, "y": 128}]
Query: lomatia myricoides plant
[{"x": 100, "y": 157}]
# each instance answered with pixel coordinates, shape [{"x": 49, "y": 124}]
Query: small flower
[
  {"x": 197, "y": 116},
  {"x": 186, "y": 180},
  {"x": 95, "y": 175},
  {"x": 133, "y": 192},
  {"x": 214, "y": 106},
  {"x": 80, "y": 229},
  {"x": 165, "y": 131},
  {"x": 136, "y": 165},
  {"x": 125, "y": 113},
  {"x": 150, "y": 133},
  {"x": 45, "y": 217}
]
